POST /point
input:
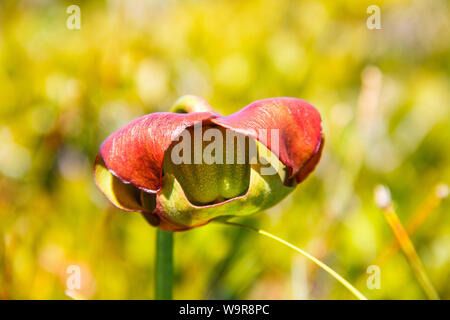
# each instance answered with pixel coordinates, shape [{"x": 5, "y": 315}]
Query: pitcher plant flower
[{"x": 184, "y": 168}]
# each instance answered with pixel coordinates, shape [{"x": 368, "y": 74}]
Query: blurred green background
[{"x": 383, "y": 95}]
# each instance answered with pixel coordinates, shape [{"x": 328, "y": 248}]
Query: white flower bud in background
[
  {"x": 382, "y": 196},
  {"x": 442, "y": 191}
]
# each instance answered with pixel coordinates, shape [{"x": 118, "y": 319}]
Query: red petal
[
  {"x": 135, "y": 152},
  {"x": 299, "y": 126},
  {"x": 311, "y": 164}
]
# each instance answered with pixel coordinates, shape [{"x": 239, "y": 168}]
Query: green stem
[{"x": 164, "y": 265}]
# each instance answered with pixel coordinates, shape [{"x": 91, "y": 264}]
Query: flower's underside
[{"x": 136, "y": 173}]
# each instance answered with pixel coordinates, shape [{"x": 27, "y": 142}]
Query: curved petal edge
[
  {"x": 290, "y": 127},
  {"x": 135, "y": 152}
]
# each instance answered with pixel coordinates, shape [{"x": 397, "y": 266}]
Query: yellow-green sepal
[{"x": 123, "y": 195}]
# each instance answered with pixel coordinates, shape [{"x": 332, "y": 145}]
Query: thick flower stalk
[{"x": 184, "y": 168}]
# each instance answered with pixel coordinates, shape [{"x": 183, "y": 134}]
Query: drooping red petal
[
  {"x": 135, "y": 152},
  {"x": 299, "y": 126},
  {"x": 311, "y": 164}
]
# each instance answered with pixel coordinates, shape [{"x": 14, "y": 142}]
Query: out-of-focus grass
[{"x": 383, "y": 95}]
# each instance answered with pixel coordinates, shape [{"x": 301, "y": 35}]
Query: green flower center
[{"x": 212, "y": 166}]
